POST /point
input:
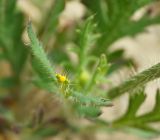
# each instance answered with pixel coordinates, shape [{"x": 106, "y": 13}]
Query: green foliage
[
  {"x": 87, "y": 38},
  {"x": 10, "y": 38},
  {"x": 7, "y": 82},
  {"x": 98, "y": 74},
  {"x": 140, "y": 124},
  {"x": 89, "y": 106},
  {"x": 135, "y": 82},
  {"x": 118, "y": 61},
  {"x": 48, "y": 29},
  {"x": 89, "y": 111},
  {"x": 41, "y": 133},
  {"x": 86, "y": 105},
  {"x": 113, "y": 16},
  {"x": 39, "y": 60},
  {"x": 81, "y": 93},
  {"x": 114, "y": 19}
]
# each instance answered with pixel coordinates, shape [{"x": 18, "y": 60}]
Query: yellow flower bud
[{"x": 62, "y": 78}]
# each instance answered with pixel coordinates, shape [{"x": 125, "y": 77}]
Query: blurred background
[{"x": 143, "y": 49}]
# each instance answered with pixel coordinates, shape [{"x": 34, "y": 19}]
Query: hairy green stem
[
  {"x": 40, "y": 62},
  {"x": 135, "y": 82}
]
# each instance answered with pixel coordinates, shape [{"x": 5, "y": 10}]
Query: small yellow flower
[{"x": 62, "y": 79}]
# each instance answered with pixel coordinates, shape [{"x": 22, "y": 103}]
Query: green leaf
[
  {"x": 91, "y": 100},
  {"x": 11, "y": 34},
  {"x": 88, "y": 111},
  {"x": 139, "y": 124},
  {"x": 98, "y": 74},
  {"x": 117, "y": 60},
  {"x": 48, "y": 86},
  {"x": 136, "y": 82},
  {"x": 52, "y": 17},
  {"x": 134, "y": 104},
  {"x": 45, "y": 132},
  {"x": 86, "y": 38},
  {"x": 135, "y": 101},
  {"x": 113, "y": 16},
  {"x": 98, "y": 8},
  {"x": 2, "y": 56},
  {"x": 145, "y": 131},
  {"x": 40, "y": 62},
  {"x": 154, "y": 115},
  {"x": 7, "y": 82}
]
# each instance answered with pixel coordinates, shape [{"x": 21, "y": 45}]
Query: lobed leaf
[
  {"x": 139, "y": 124},
  {"x": 114, "y": 15}
]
